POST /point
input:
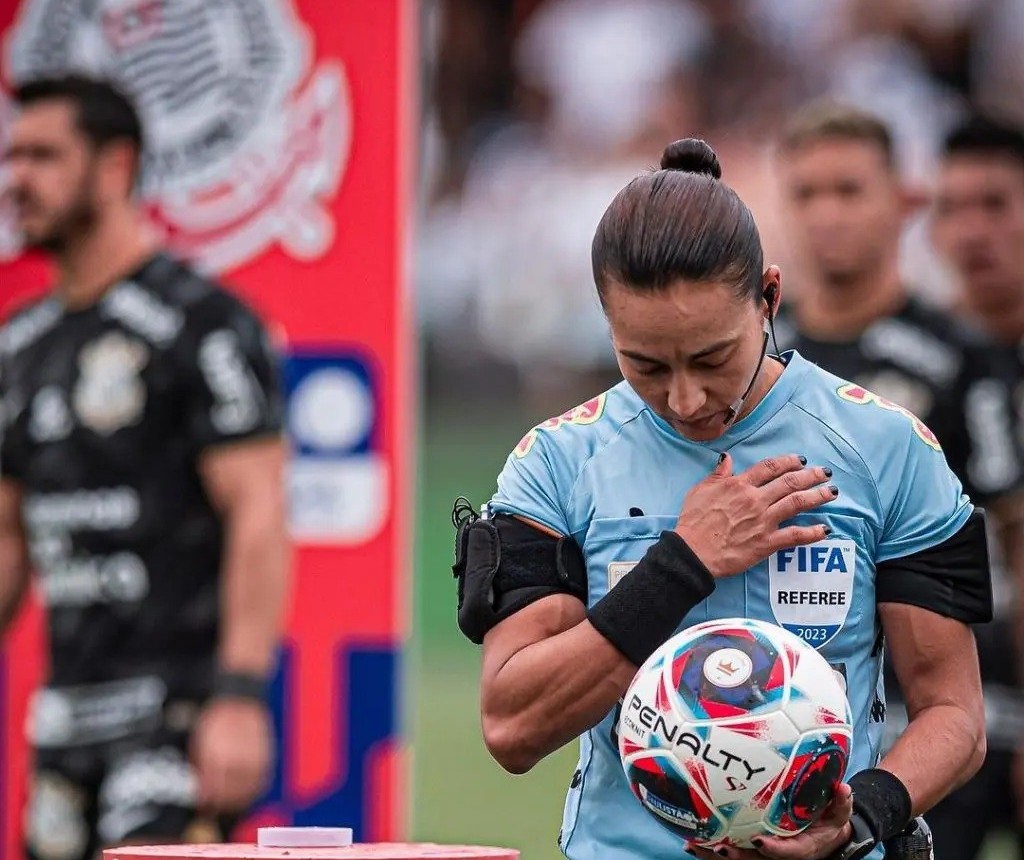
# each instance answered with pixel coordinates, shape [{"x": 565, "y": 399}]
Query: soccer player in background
[
  {"x": 978, "y": 222},
  {"x": 664, "y": 501},
  {"x": 141, "y": 464},
  {"x": 856, "y": 317}
]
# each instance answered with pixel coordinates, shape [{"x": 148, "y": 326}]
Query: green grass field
[{"x": 459, "y": 795}]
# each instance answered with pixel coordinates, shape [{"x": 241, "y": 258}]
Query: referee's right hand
[{"x": 732, "y": 522}]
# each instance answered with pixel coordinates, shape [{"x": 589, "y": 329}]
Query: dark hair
[
  {"x": 678, "y": 223},
  {"x": 831, "y": 120},
  {"x": 984, "y": 136},
  {"x": 103, "y": 113}
]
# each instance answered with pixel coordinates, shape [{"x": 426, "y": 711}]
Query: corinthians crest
[
  {"x": 110, "y": 394},
  {"x": 245, "y": 143}
]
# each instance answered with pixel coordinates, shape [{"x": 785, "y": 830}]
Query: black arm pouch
[{"x": 503, "y": 564}]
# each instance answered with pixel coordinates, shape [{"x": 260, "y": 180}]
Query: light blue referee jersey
[{"x": 582, "y": 473}]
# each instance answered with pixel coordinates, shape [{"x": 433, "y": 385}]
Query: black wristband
[
  {"x": 640, "y": 613},
  {"x": 239, "y": 685},
  {"x": 882, "y": 800}
]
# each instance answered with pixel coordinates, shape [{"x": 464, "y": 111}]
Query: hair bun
[{"x": 691, "y": 156}]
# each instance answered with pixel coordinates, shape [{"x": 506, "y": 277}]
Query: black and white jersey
[
  {"x": 948, "y": 375},
  {"x": 106, "y": 412},
  {"x": 1016, "y": 357}
]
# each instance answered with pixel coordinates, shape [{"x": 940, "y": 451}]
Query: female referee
[{"x": 679, "y": 496}]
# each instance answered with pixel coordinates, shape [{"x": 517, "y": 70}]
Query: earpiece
[{"x": 770, "y": 292}]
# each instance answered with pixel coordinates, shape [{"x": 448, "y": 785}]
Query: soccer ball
[{"x": 735, "y": 729}]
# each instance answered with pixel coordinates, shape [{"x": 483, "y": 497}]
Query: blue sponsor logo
[
  {"x": 338, "y": 476},
  {"x": 817, "y": 558}
]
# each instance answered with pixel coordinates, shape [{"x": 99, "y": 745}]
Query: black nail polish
[
  {"x": 833, "y": 489},
  {"x": 827, "y": 531},
  {"x": 803, "y": 460},
  {"x": 636, "y": 512},
  {"x": 757, "y": 843},
  {"x": 827, "y": 472},
  {"x": 721, "y": 458}
]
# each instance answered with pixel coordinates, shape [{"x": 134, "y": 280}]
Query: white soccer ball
[{"x": 735, "y": 729}]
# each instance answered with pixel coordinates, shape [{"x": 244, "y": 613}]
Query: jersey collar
[{"x": 778, "y": 396}]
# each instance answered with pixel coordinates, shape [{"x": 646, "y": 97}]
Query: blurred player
[
  {"x": 857, "y": 318},
  {"x": 142, "y": 479},
  {"x": 665, "y": 502},
  {"x": 978, "y": 221}
]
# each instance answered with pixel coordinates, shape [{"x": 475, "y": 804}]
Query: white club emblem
[
  {"x": 241, "y": 154},
  {"x": 109, "y": 393}
]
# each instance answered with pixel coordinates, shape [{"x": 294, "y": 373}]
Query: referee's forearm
[
  {"x": 551, "y": 692},
  {"x": 942, "y": 748}
]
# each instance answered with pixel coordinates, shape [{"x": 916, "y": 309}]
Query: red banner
[{"x": 279, "y": 142}]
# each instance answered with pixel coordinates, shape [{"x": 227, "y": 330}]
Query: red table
[{"x": 368, "y": 851}]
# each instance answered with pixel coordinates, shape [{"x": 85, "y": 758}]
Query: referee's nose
[{"x": 686, "y": 397}]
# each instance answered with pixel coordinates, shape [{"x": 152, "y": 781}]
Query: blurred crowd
[{"x": 535, "y": 112}]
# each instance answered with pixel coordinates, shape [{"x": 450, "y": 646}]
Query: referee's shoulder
[
  {"x": 853, "y": 416},
  {"x": 584, "y": 430},
  {"x": 867, "y": 428}
]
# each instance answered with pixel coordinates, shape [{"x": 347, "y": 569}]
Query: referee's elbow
[
  {"x": 977, "y": 758},
  {"x": 978, "y": 723},
  {"x": 975, "y": 728},
  {"x": 508, "y": 743}
]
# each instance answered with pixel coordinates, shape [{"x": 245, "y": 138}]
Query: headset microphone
[
  {"x": 732, "y": 413},
  {"x": 734, "y": 410}
]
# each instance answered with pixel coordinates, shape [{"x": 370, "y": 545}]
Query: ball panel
[
  {"x": 661, "y": 786},
  {"x": 815, "y": 771},
  {"x": 728, "y": 672},
  {"x": 740, "y": 760},
  {"x": 644, "y": 689},
  {"x": 818, "y": 697}
]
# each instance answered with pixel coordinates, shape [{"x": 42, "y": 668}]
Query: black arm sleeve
[{"x": 951, "y": 578}]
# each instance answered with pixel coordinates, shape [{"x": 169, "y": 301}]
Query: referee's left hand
[{"x": 817, "y": 842}]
